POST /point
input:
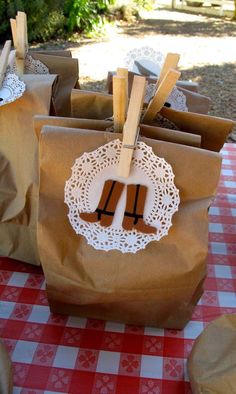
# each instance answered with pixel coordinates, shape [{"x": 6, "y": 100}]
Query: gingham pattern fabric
[{"x": 64, "y": 354}]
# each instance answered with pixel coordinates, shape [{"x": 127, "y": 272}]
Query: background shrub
[
  {"x": 45, "y": 18},
  {"x": 58, "y": 18},
  {"x": 84, "y": 15}
]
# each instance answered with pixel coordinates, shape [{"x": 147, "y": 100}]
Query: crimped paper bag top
[{"x": 212, "y": 130}]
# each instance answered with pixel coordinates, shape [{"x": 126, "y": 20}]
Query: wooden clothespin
[
  {"x": 20, "y": 39},
  {"x": 119, "y": 105},
  {"x": 120, "y": 98},
  {"x": 131, "y": 129},
  {"x": 123, "y": 72},
  {"x": 4, "y": 60},
  {"x": 161, "y": 95},
  {"x": 13, "y": 31},
  {"x": 171, "y": 62}
]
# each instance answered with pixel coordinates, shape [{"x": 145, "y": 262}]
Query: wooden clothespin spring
[{"x": 132, "y": 146}]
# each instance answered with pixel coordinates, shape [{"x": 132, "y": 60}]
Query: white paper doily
[
  {"x": 146, "y": 61},
  {"x": 84, "y": 188},
  {"x": 12, "y": 89},
  {"x": 32, "y": 66},
  {"x": 176, "y": 99},
  {"x": 147, "y": 58}
]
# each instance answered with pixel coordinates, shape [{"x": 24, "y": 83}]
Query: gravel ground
[{"x": 207, "y": 46}]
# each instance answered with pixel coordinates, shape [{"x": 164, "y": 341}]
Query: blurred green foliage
[
  {"x": 45, "y": 18},
  {"x": 59, "y": 18},
  {"x": 84, "y": 15},
  {"x": 145, "y": 4}
]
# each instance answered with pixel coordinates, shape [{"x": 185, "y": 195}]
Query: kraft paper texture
[
  {"x": 194, "y": 101},
  {"x": 212, "y": 130},
  {"x": 212, "y": 362},
  {"x": 6, "y": 378},
  {"x": 67, "y": 70},
  {"x": 103, "y": 125},
  {"x": 57, "y": 52},
  {"x": 157, "y": 286},
  {"x": 91, "y": 105},
  {"x": 19, "y": 169}
]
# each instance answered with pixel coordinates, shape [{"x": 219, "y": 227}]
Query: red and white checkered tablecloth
[{"x": 64, "y": 354}]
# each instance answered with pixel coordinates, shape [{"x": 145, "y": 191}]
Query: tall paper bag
[
  {"x": 19, "y": 169},
  {"x": 156, "y": 286}
]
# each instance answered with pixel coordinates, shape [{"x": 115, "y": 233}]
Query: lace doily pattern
[
  {"x": 176, "y": 99},
  {"x": 146, "y": 61},
  {"x": 150, "y": 92},
  {"x": 149, "y": 61},
  {"x": 12, "y": 89},
  {"x": 165, "y": 123},
  {"x": 83, "y": 190},
  {"x": 32, "y": 66}
]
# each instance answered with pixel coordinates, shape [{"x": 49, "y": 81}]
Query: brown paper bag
[
  {"x": 6, "y": 378},
  {"x": 90, "y": 124},
  {"x": 104, "y": 125},
  {"x": 213, "y": 130},
  {"x": 157, "y": 286},
  {"x": 56, "y": 52},
  {"x": 195, "y": 102},
  {"x": 91, "y": 105},
  {"x": 163, "y": 134},
  {"x": 212, "y": 362},
  {"x": 19, "y": 169},
  {"x": 68, "y": 73},
  {"x": 187, "y": 85}
]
